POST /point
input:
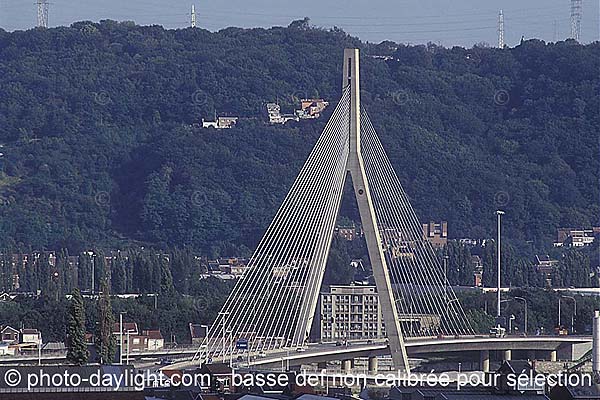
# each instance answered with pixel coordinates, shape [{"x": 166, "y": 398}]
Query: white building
[
  {"x": 220, "y": 123},
  {"x": 31, "y": 336},
  {"x": 275, "y": 116}
]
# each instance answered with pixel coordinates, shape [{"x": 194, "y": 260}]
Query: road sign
[{"x": 241, "y": 344}]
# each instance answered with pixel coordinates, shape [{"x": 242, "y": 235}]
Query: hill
[{"x": 99, "y": 147}]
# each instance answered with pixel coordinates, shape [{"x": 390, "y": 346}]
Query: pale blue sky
[{"x": 450, "y": 22}]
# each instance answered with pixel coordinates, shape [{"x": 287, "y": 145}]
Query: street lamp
[
  {"x": 129, "y": 331},
  {"x": 446, "y": 282},
  {"x": 203, "y": 348},
  {"x": 510, "y": 320},
  {"x": 224, "y": 315},
  {"x": 121, "y": 337},
  {"x": 525, "y": 307},
  {"x": 499, "y": 213}
]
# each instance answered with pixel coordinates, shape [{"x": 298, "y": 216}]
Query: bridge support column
[
  {"x": 507, "y": 355},
  {"x": 553, "y": 356},
  {"x": 346, "y": 366},
  {"x": 484, "y": 360},
  {"x": 372, "y": 365},
  {"x": 322, "y": 366}
]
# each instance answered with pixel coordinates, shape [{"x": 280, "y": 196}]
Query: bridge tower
[{"x": 356, "y": 168}]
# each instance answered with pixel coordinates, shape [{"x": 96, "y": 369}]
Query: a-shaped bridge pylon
[{"x": 273, "y": 304}]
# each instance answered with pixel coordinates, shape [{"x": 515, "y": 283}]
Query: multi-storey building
[
  {"x": 353, "y": 313},
  {"x": 349, "y": 313},
  {"x": 436, "y": 233}
]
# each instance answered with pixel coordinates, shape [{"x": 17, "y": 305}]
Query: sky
[{"x": 445, "y": 22}]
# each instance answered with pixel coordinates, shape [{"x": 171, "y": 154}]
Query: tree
[
  {"x": 78, "y": 353},
  {"x": 105, "y": 340}
]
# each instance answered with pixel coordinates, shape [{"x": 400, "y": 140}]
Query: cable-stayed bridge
[{"x": 273, "y": 304}]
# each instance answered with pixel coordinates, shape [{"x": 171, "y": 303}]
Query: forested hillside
[{"x": 99, "y": 146}]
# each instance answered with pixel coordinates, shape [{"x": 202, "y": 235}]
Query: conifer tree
[
  {"x": 78, "y": 353},
  {"x": 105, "y": 341}
]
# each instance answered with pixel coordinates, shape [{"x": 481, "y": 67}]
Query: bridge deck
[{"x": 316, "y": 353}]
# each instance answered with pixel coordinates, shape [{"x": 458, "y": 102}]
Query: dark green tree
[
  {"x": 104, "y": 339},
  {"x": 78, "y": 353}
]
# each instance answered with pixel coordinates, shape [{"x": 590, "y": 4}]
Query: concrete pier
[
  {"x": 484, "y": 360},
  {"x": 373, "y": 365},
  {"x": 346, "y": 366}
]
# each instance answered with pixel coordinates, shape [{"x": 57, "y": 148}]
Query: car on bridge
[
  {"x": 561, "y": 331},
  {"x": 498, "y": 331}
]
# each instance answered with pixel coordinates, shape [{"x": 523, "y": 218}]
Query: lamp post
[
  {"x": 93, "y": 257},
  {"x": 499, "y": 213},
  {"x": 128, "y": 344},
  {"x": 559, "y": 297},
  {"x": 510, "y": 320},
  {"x": 204, "y": 352},
  {"x": 445, "y": 282},
  {"x": 525, "y": 307},
  {"x": 230, "y": 349},
  {"x": 121, "y": 337},
  {"x": 224, "y": 315}
]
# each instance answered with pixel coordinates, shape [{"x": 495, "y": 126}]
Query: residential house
[
  {"x": 311, "y": 108},
  {"x": 136, "y": 341},
  {"x": 544, "y": 264},
  {"x": 575, "y": 237},
  {"x": 131, "y": 327},
  {"x": 346, "y": 232},
  {"x": 30, "y": 336},
  {"x": 213, "y": 267},
  {"x": 155, "y": 340},
  {"x": 468, "y": 242},
  {"x": 198, "y": 333},
  {"x": 10, "y": 335},
  {"x": 220, "y": 123},
  {"x": 235, "y": 269},
  {"x": 275, "y": 116}
]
